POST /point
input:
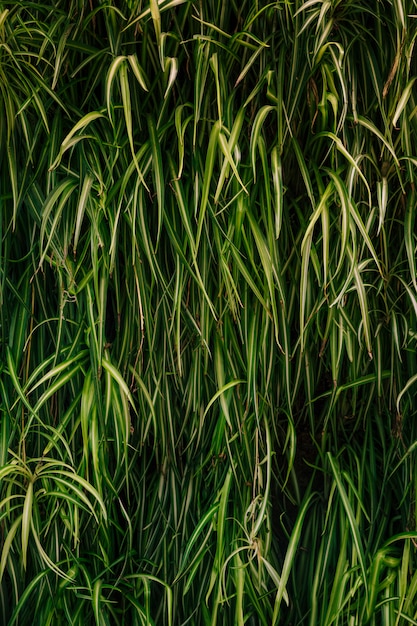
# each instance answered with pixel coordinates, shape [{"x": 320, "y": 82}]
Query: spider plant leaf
[
  {"x": 7, "y": 544},
  {"x": 228, "y": 150},
  {"x": 282, "y": 593},
  {"x": 270, "y": 275},
  {"x": 208, "y": 173},
  {"x": 69, "y": 139},
  {"x": 276, "y": 168},
  {"x": 220, "y": 394},
  {"x": 171, "y": 63},
  {"x": 156, "y": 18},
  {"x": 402, "y": 102},
  {"x": 111, "y": 76},
  {"x": 115, "y": 374},
  {"x": 205, "y": 519},
  {"x": 158, "y": 174},
  {"x": 84, "y": 194},
  {"x": 360, "y": 553},
  {"x": 409, "y": 220},
  {"x": 370, "y": 126},
  {"x": 229, "y": 158},
  {"x": 69, "y": 479},
  {"x": 250, "y": 62},
  {"x": 220, "y": 531},
  {"x": 14, "y": 181},
  {"x": 96, "y": 598},
  {"x": 404, "y": 390},
  {"x": 16, "y": 384},
  {"x": 26, "y": 521},
  {"x": 138, "y": 71},
  {"x": 256, "y": 130},
  {"x": 163, "y": 5}
]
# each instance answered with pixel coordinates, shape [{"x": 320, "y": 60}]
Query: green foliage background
[{"x": 208, "y": 312}]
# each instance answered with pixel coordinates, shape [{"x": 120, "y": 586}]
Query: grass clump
[{"x": 208, "y": 313}]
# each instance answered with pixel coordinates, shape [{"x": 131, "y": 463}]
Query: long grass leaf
[
  {"x": 360, "y": 552},
  {"x": 282, "y": 593}
]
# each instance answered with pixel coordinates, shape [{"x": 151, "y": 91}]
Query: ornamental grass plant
[{"x": 208, "y": 313}]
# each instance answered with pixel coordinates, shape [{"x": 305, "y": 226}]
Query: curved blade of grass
[
  {"x": 26, "y": 521},
  {"x": 7, "y": 544},
  {"x": 207, "y": 517},
  {"x": 360, "y": 552},
  {"x": 68, "y": 141},
  {"x": 158, "y": 174},
  {"x": 289, "y": 559}
]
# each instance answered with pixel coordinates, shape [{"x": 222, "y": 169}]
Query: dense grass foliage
[{"x": 208, "y": 312}]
